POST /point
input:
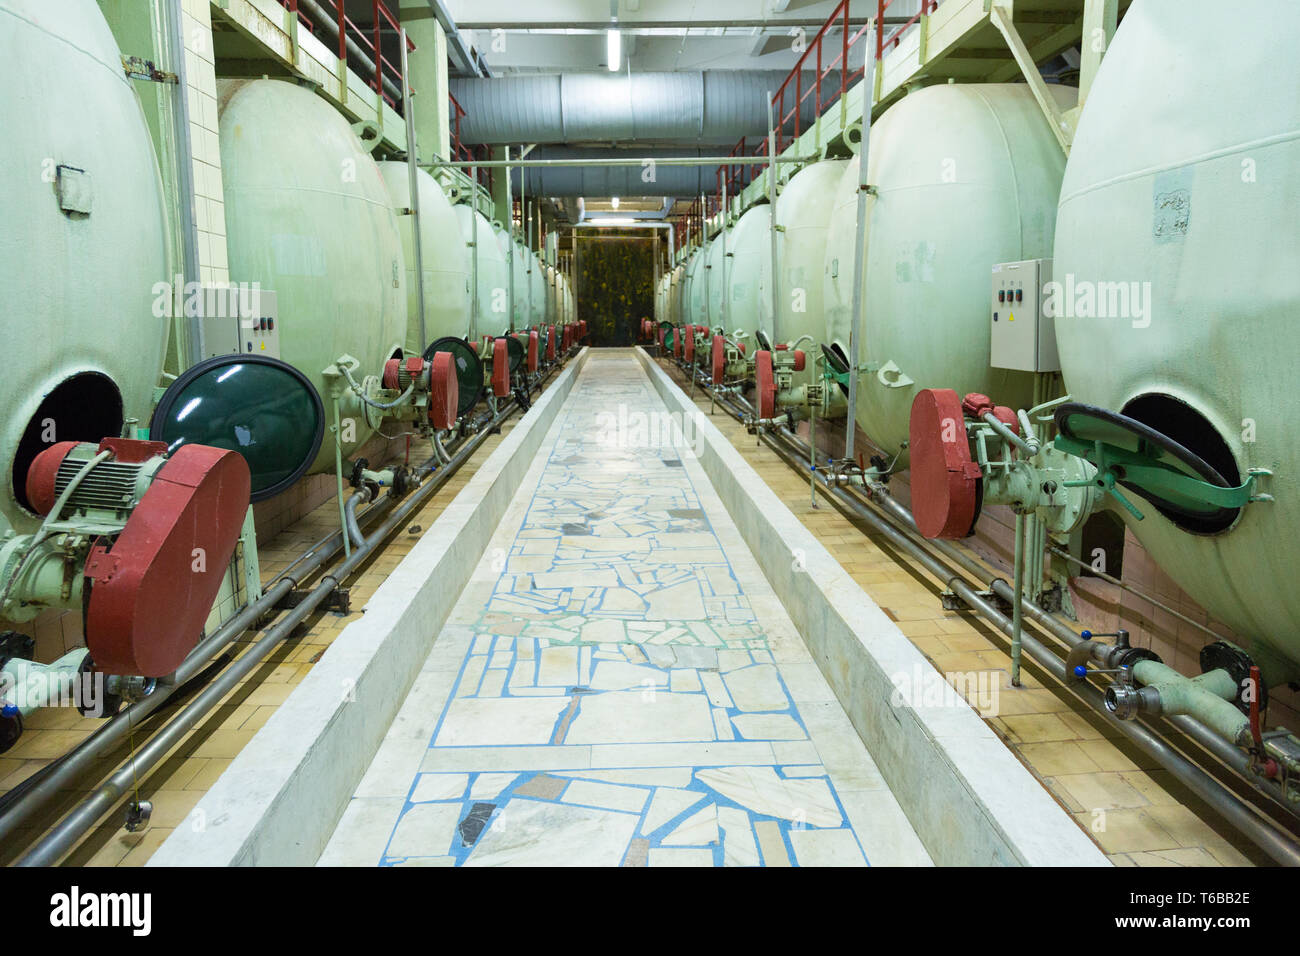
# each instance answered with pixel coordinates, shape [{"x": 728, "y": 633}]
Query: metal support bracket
[
  {"x": 1060, "y": 128},
  {"x": 339, "y": 600},
  {"x": 138, "y": 68}
]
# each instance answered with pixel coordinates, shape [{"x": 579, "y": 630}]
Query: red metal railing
[
  {"x": 789, "y": 122},
  {"x": 369, "y": 41},
  {"x": 464, "y": 152}
]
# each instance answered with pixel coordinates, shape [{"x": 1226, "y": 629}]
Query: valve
[{"x": 138, "y": 813}]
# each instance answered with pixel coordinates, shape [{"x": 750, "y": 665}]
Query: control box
[
  {"x": 239, "y": 319},
  {"x": 1022, "y": 337}
]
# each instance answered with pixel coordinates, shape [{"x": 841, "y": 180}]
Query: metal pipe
[
  {"x": 412, "y": 169},
  {"x": 622, "y": 161},
  {"x": 771, "y": 200},
  {"x": 64, "y": 836},
  {"x": 350, "y": 517},
  {"x": 859, "y": 253},
  {"x": 1018, "y": 598},
  {"x": 473, "y": 232},
  {"x": 510, "y": 246},
  {"x": 1263, "y": 832},
  {"x": 21, "y": 803}
]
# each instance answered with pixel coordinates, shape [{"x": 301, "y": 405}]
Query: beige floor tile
[
  {"x": 1126, "y": 831},
  {"x": 1057, "y": 757},
  {"x": 1037, "y": 728},
  {"x": 1102, "y": 791}
]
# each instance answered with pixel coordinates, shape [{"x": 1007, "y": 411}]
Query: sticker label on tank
[{"x": 1172, "y": 205}]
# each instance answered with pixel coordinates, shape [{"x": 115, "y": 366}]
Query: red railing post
[
  {"x": 818, "y": 98},
  {"x": 379, "y": 56},
  {"x": 798, "y": 96},
  {"x": 880, "y": 29},
  {"x": 343, "y": 32},
  {"x": 844, "y": 53}
]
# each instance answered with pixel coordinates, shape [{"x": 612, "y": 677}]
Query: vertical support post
[
  {"x": 704, "y": 259},
  {"x": 473, "y": 265},
  {"x": 412, "y": 169},
  {"x": 1017, "y": 598},
  {"x": 859, "y": 251},
  {"x": 510, "y": 247},
  {"x": 771, "y": 199},
  {"x": 1099, "y": 21},
  {"x": 725, "y": 288},
  {"x": 523, "y": 233}
]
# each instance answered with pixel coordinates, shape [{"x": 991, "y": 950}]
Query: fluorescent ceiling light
[{"x": 613, "y": 48}]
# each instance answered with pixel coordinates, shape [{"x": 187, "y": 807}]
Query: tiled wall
[
  {"x": 1100, "y": 605},
  {"x": 209, "y": 206}
]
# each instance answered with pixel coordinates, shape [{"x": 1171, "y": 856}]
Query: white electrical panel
[
  {"x": 1022, "y": 338},
  {"x": 239, "y": 319}
]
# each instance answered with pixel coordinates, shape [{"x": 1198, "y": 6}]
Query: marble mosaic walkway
[{"x": 618, "y": 685}]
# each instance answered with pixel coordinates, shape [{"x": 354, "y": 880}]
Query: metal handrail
[
  {"x": 792, "y": 117},
  {"x": 385, "y": 74}
]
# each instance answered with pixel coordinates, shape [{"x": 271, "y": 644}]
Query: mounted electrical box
[
  {"x": 1022, "y": 338},
  {"x": 240, "y": 319}
]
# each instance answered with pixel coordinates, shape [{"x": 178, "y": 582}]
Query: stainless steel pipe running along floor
[{"x": 1266, "y": 834}]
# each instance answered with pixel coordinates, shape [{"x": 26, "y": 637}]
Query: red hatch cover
[
  {"x": 800, "y": 360},
  {"x": 945, "y": 479},
  {"x": 500, "y": 368},
  {"x": 550, "y": 343},
  {"x": 151, "y": 594},
  {"x": 766, "y": 384},
  {"x": 444, "y": 391},
  {"x": 677, "y": 341},
  {"x": 688, "y": 346},
  {"x": 532, "y": 351},
  {"x": 582, "y": 328},
  {"x": 719, "y": 359}
]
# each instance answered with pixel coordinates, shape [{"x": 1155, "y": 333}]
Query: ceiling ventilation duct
[
  {"x": 713, "y": 107},
  {"x": 636, "y": 180}
]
